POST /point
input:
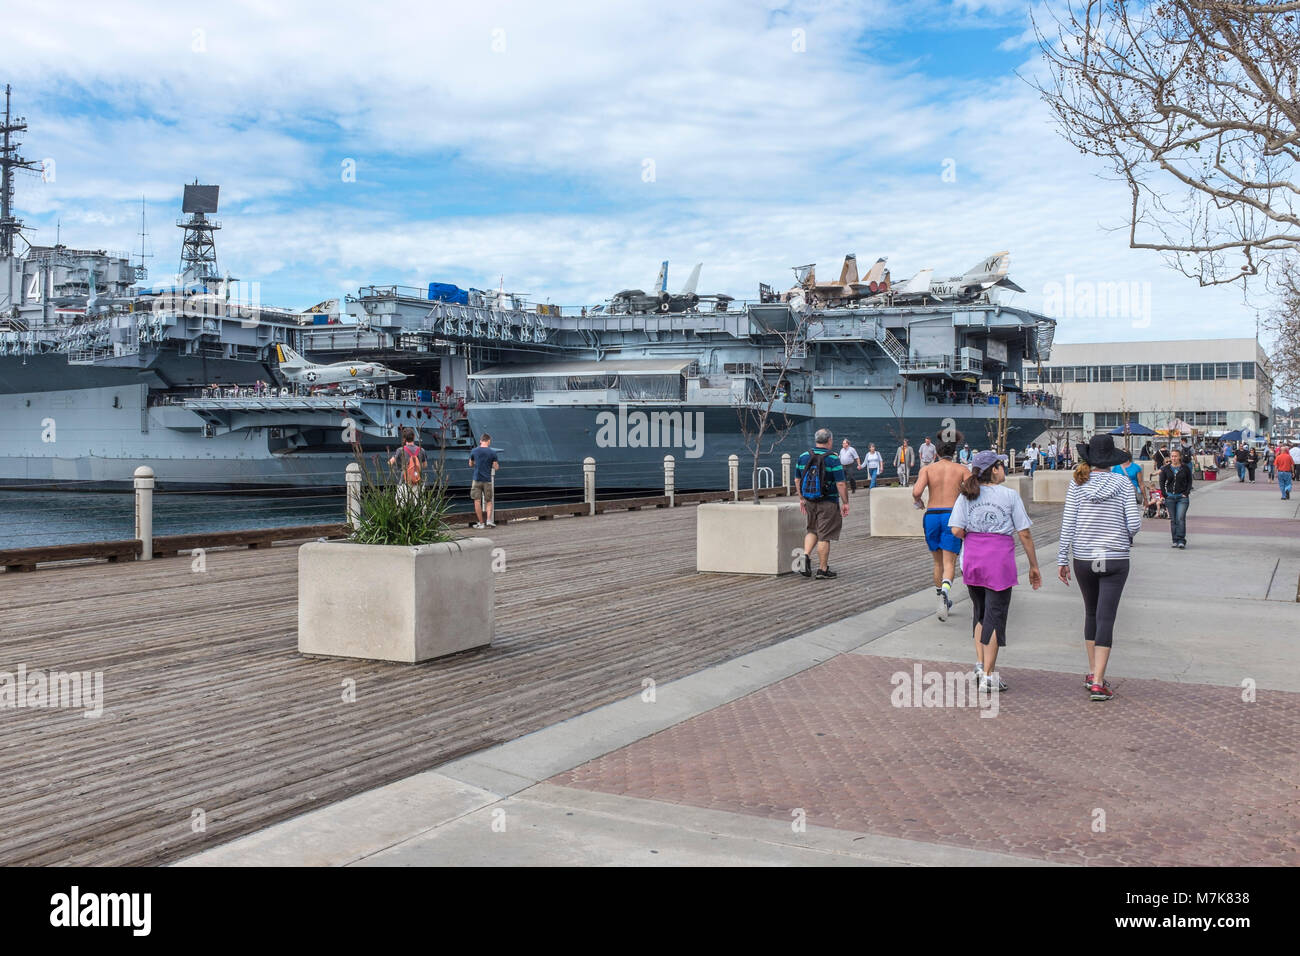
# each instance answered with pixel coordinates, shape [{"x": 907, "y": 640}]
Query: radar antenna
[
  {"x": 198, "y": 248},
  {"x": 9, "y": 161}
]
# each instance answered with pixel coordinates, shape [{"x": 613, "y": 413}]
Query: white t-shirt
[
  {"x": 1028, "y": 466},
  {"x": 928, "y": 453},
  {"x": 849, "y": 455},
  {"x": 998, "y": 510}
]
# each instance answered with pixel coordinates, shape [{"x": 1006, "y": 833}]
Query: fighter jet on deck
[
  {"x": 660, "y": 299},
  {"x": 848, "y": 289},
  {"x": 984, "y": 275},
  {"x": 346, "y": 375}
]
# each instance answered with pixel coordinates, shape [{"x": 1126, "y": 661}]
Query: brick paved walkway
[{"x": 1186, "y": 774}]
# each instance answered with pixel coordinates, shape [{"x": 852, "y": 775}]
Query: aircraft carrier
[{"x": 101, "y": 372}]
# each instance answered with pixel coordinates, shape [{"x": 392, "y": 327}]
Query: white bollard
[
  {"x": 670, "y": 479},
  {"x": 589, "y": 483},
  {"x": 354, "y": 495},
  {"x": 144, "y": 511},
  {"x": 785, "y": 472},
  {"x": 733, "y": 476}
]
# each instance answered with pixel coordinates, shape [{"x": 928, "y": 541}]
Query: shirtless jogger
[{"x": 943, "y": 477}]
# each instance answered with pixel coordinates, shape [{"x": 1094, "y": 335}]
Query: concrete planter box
[
  {"x": 1022, "y": 486},
  {"x": 740, "y": 537},
  {"x": 394, "y": 603},
  {"x": 1050, "y": 486},
  {"x": 894, "y": 516}
]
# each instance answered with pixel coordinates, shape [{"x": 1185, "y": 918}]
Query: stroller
[{"x": 1155, "y": 503}]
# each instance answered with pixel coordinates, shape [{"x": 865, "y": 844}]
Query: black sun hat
[{"x": 1100, "y": 452}]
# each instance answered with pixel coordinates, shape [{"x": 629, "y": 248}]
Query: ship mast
[{"x": 9, "y": 161}]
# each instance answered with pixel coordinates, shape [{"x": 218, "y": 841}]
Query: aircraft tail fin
[
  {"x": 849, "y": 272},
  {"x": 991, "y": 269},
  {"x": 693, "y": 281},
  {"x": 919, "y": 283},
  {"x": 661, "y": 281},
  {"x": 288, "y": 358}
]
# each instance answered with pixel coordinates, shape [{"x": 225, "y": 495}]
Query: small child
[{"x": 1155, "y": 501}]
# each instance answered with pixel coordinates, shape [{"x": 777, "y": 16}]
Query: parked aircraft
[{"x": 346, "y": 375}]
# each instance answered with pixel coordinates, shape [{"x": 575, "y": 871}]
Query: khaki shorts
[
  {"x": 480, "y": 491},
  {"x": 824, "y": 519}
]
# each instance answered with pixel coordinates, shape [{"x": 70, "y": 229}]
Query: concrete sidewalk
[{"x": 797, "y": 754}]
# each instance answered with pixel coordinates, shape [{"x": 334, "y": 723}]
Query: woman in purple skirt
[{"x": 988, "y": 517}]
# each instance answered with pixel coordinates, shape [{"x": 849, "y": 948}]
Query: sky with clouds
[{"x": 568, "y": 147}]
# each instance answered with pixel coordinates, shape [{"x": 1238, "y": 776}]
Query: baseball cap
[{"x": 986, "y": 459}]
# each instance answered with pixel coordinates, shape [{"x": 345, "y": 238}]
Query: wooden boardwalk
[{"x": 208, "y": 707}]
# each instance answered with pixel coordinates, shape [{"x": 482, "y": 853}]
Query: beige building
[{"x": 1214, "y": 385}]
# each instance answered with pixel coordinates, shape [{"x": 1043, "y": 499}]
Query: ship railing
[{"x": 926, "y": 363}]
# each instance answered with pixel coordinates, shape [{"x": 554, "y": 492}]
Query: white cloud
[{"x": 764, "y": 157}]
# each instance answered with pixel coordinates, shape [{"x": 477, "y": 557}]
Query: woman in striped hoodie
[{"x": 1101, "y": 518}]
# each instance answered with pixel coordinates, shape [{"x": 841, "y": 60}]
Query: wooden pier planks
[{"x": 209, "y": 707}]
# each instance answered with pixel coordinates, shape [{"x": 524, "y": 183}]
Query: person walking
[
  {"x": 875, "y": 464},
  {"x": 927, "y": 452},
  {"x": 482, "y": 489},
  {"x": 852, "y": 463},
  {"x": 1100, "y": 521},
  {"x": 904, "y": 461},
  {"x": 1176, "y": 487},
  {"x": 1252, "y": 461},
  {"x": 1051, "y": 456},
  {"x": 823, "y": 498},
  {"x": 1284, "y": 464},
  {"x": 411, "y": 464},
  {"x": 1133, "y": 472},
  {"x": 987, "y": 518},
  {"x": 1239, "y": 457},
  {"x": 943, "y": 478}
]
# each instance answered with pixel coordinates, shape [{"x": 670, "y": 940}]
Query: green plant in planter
[{"x": 395, "y": 512}]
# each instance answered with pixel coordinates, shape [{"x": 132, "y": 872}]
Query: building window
[
  {"x": 1103, "y": 373},
  {"x": 1221, "y": 370},
  {"x": 1072, "y": 419},
  {"x": 1109, "y": 420},
  {"x": 1248, "y": 370},
  {"x": 1194, "y": 371},
  {"x": 1067, "y": 374}
]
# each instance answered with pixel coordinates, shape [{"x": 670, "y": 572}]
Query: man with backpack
[
  {"x": 823, "y": 498},
  {"x": 485, "y": 464},
  {"x": 410, "y": 461}
]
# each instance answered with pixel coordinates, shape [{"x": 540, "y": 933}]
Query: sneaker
[
  {"x": 979, "y": 672},
  {"x": 824, "y": 574},
  {"x": 1101, "y": 691},
  {"x": 478, "y": 526},
  {"x": 1182, "y": 545},
  {"x": 944, "y": 604},
  {"x": 992, "y": 683},
  {"x": 1087, "y": 681},
  {"x": 806, "y": 568},
  {"x": 491, "y": 524}
]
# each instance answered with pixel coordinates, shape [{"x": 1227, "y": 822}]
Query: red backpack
[{"x": 413, "y": 470}]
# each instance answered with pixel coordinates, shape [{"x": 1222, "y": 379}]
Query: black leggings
[
  {"x": 1101, "y": 593},
  {"x": 990, "y": 610}
]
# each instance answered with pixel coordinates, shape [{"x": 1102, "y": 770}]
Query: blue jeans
[
  {"x": 1284, "y": 483},
  {"x": 1177, "y": 505},
  {"x": 1241, "y": 472},
  {"x": 873, "y": 472}
]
